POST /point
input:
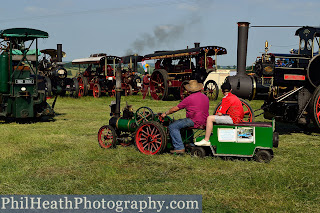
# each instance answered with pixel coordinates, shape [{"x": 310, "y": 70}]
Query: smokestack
[
  {"x": 196, "y": 44},
  {"x": 243, "y": 28},
  {"x": 135, "y": 63},
  {"x": 59, "y": 52},
  {"x": 242, "y": 84},
  {"x": 118, "y": 90}
]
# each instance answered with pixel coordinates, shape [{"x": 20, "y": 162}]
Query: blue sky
[{"x": 119, "y": 27}]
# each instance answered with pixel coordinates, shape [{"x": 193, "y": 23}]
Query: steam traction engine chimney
[
  {"x": 118, "y": 90},
  {"x": 243, "y": 28},
  {"x": 241, "y": 83},
  {"x": 59, "y": 52},
  {"x": 196, "y": 44}
]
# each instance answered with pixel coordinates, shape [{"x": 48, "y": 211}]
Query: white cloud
[
  {"x": 188, "y": 7},
  {"x": 35, "y": 10}
]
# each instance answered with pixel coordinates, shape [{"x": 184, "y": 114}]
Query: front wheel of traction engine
[
  {"x": 150, "y": 138},
  {"x": 96, "y": 90},
  {"x": 107, "y": 137},
  {"x": 83, "y": 85},
  {"x": 211, "y": 90}
]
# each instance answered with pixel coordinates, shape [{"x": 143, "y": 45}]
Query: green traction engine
[{"x": 22, "y": 91}]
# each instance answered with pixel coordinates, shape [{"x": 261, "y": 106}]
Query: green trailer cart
[{"x": 244, "y": 140}]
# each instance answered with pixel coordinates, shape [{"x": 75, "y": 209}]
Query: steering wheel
[{"x": 143, "y": 114}]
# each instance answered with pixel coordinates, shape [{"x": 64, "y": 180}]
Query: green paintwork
[
  {"x": 4, "y": 73},
  {"x": 26, "y": 33},
  {"x": 126, "y": 125},
  {"x": 262, "y": 139},
  {"x": 20, "y": 94}
]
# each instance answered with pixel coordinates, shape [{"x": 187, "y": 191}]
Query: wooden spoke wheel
[
  {"x": 128, "y": 90},
  {"x": 107, "y": 137},
  {"x": 183, "y": 91},
  {"x": 151, "y": 138},
  {"x": 96, "y": 90},
  {"x": 159, "y": 85},
  {"x": 143, "y": 114},
  {"x": 83, "y": 86},
  {"x": 248, "y": 112},
  {"x": 315, "y": 107},
  {"x": 211, "y": 90}
]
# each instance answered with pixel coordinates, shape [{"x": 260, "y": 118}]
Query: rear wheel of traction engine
[
  {"x": 107, "y": 137},
  {"x": 48, "y": 86},
  {"x": 198, "y": 152},
  {"x": 183, "y": 90},
  {"x": 83, "y": 86},
  {"x": 128, "y": 90},
  {"x": 96, "y": 90},
  {"x": 248, "y": 112},
  {"x": 211, "y": 90},
  {"x": 315, "y": 107},
  {"x": 150, "y": 138},
  {"x": 75, "y": 92},
  {"x": 263, "y": 156},
  {"x": 159, "y": 84}
]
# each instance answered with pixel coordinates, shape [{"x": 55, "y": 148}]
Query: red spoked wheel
[
  {"x": 159, "y": 85},
  {"x": 96, "y": 90},
  {"x": 83, "y": 86},
  {"x": 150, "y": 138},
  {"x": 183, "y": 91},
  {"x": 211, "y": 90},
  {"x": 248, "y": 112},
  {"x": 143, "y": 114},
  {"x": 107, "y": 137},
  {"x": 128, "y": 90},
  {"x": 315, "y": 107}
]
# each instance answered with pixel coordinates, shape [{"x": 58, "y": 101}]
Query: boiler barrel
[
  {"x": 126, "y": 125},
  {"x": 4, "y": 73}
]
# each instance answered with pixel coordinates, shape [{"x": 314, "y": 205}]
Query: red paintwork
[
  {"x": 148, "y": 139},
  {"x": 247, "y": 112},
  {"x": 294, "y": 77},
  {"x": 103, "y": 136},
  {"x": 174, "y": 83}
]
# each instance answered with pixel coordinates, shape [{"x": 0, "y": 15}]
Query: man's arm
[{"x": 170, "y": 111}]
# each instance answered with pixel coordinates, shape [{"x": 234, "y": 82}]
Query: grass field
[{"x": 63, "y": 157}]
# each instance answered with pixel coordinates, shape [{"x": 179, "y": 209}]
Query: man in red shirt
[
  {"x": 230, "y": 112},
  {"x": 145, "y": 83}
]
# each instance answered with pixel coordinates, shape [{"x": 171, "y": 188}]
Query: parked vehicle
[
  {"x": 22, "y": 89},
  {"x": 173, "y": 70},
  {"x": 56, "y": 76},
  {"x": 99, "y": 75},
  {"x": 289, "y": 84}
]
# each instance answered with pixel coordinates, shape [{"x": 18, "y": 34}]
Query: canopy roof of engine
[
  {"x": 192, "y": 52},
  {"x": 24, "y": 33}
]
